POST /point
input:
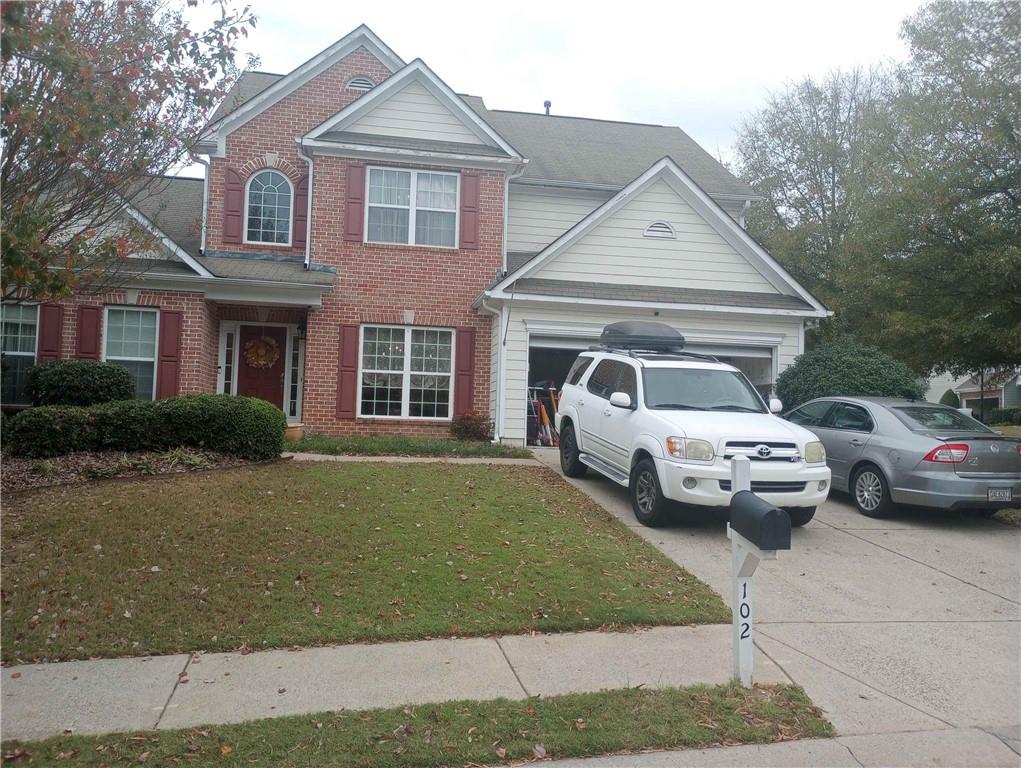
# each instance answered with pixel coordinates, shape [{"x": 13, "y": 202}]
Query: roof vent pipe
[{"x": 547, "y": 104}]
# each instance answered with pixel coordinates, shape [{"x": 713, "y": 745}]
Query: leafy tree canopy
[{"x": 98, "y": 99}]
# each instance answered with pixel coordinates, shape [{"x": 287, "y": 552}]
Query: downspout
[
  {"x": 308, "y": 215},
  {"x": 501, "y": 353},
  {"x": 205, "y": 199},
  {"x": 497, "y": 420},
  {"x": 506, "y": 207}
]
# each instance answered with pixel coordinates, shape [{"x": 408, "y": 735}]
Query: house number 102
[{"x": 744, "y": 610}]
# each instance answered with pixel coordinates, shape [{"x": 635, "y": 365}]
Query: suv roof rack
[{"x": 657, "y": 353}]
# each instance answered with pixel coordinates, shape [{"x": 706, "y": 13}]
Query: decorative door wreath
[{"x": 262, "y": 352}]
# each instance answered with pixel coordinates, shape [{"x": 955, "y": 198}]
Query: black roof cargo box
[{"x": 641, "y": 334}]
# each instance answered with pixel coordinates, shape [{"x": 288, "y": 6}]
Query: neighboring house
[
  {"x": 374, "y": 252},
  {"x": 998, "y": 391}
]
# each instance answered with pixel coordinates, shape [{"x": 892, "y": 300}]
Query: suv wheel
[
  {"x": 800, "y": 515},
  {"x": 870, "y": 493},
  {"x": 570, "y": 464},
  {"x": 647, "y": 500}
]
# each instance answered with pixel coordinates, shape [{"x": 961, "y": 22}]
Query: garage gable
[{"x": 662, "y": 231}]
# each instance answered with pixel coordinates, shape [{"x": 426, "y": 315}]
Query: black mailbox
[{"x": 764, "y": 525}]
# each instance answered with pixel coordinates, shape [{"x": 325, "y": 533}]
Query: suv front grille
[
  {"x": 769, "y": 486},
  {"x": 753, "y": 449}
]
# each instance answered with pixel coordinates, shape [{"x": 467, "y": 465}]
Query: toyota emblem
[
  {"x": 764, "y": 451},
  {"x": 994, "y": 448}
]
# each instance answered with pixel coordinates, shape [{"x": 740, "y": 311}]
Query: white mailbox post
[{"x": 756, "y": 531}]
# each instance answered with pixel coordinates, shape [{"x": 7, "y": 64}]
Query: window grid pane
[
  {"x": 382, "y": 394},
  {"x": 228, "y": 363},
  {"x": 389, "y": 187},
  {"x": 19, "y": 328},
  {"x": 388, "y": 225},
  {"x": 436, "y": 190},
  {"x": 412, "y": 204},
  {"x": 269, "y": 208},
  {"x": 417, "y": 385},
  {"x": 131, "y": 343},
  {"x": 434, "y": 228},
  {"x": 292, "y": 408}
]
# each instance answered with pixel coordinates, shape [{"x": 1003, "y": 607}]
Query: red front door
[{"x": 261, "y": 357}]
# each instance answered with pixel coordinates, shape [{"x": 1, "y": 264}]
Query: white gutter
[
  {"x": 507, "y": 179},
  {"x": 308, "y": 215},
  {"x": 205, "y": 198}
]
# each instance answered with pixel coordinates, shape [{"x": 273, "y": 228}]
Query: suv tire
[
  {"x": 800, "y": 515},
  {"x": 650, "y": 506},
  {"x": 870, "y": 492},
  {"x": 570, "y": 464}
]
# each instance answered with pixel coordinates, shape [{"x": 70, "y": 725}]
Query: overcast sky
[{"x": 702, "y": 66}]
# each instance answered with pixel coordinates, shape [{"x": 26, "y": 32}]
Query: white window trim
[
  {"x": 290, "y": 211},
  {"x": 35, "y": 349},
  {"x": 407, "y": 373},
  {"x": 156, "y": 347},
  {"x": 234, "y": 326},
  {"x": 412, "y": 207}
]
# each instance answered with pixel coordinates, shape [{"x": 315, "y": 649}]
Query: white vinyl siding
[
  {"x": 536, "y": 216},
  {"x": 615, "y": 251},
  {"x": 727, "y": 328},
  {"x": 414, "y": 113}
]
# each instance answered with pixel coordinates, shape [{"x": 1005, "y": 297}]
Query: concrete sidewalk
[{"x": 111, "y": 695}]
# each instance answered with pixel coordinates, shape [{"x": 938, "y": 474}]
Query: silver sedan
[{"x": 885, "y": 452}]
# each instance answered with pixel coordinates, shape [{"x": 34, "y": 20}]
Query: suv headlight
[
  {"x": 690, "y": 448},
  {"x": 815, "y": 453}
]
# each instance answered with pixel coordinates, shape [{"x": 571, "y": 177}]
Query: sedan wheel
[{"x": 871, "y": 496}]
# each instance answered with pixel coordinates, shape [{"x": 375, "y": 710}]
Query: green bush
[
  {"x": 51, "y": 430},
  {"x": 79, "y": 382},
  {"x": 474, "y": 426},
  {"x": 242, "y": 426},
  {"x": 950, "y": 398},
  {"x": 845, "y": 367},
  {"x": 1004, "y": 416}
]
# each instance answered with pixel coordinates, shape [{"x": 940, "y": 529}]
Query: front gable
[
  {"x": 414, "y": 113},
  {"x": 662, "y": 232}
]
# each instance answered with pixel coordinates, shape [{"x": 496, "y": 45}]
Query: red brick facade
[{"x": 374, "y": 283}]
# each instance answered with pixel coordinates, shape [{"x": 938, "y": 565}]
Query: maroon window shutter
[
  {"x": 347, "y": 373},
  {"x": 469, "y": 234},
  {"x": 233, "y": 207},
  {"x": 464, "y": 370},
  {"x": 89, "y": 321},
  {"x": 51, "y": 332},
  {"x": 354, "y": 208},
  {"x": 299, "y": 221},
  {"x": 168, "y": 366}
]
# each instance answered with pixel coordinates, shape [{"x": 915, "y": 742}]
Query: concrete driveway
[{"x": 893, "y": 625}]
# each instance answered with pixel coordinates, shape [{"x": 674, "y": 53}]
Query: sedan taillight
[{"x": 951, "y": 453}]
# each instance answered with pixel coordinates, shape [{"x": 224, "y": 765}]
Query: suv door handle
[
  {"x": 607, "y": 412},
  {"x": 856, "y": 442}
]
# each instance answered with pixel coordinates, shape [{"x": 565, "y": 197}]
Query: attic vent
[
  {"x": 660, "y": 229},
  {"x": 360, "y": 84}
]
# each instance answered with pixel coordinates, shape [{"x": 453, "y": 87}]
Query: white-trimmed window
[
  {"x": 130, "y": 341},
  {"x": 268, "y": 201},
  {"x": 411, "y": 207},
  {"x": 20, "y": 330},
  {"x": 406, "y": 372}
]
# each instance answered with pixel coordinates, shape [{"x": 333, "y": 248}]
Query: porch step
[{"x": 294, "y": 432}]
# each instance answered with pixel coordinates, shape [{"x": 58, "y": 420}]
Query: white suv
[{"x": 665, "y": 423}]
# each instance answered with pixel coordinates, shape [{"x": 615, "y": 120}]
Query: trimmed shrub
[
  {"x": 1004, "y": 416},
  {"x": 79, "y": 382},
  {"x": 845, "y": 367},
  {"x": 51, "y": 430},
  {"x": 474, "y": 426},
  {"x": 950, "y": 398},
  {"x": 242, "y": 426}
]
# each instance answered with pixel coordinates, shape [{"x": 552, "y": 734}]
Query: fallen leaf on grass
[
  {"x": 501, "y": 752},
  {"x": 579, "y": 724},
  {"x": 226, "y": 750},
  {"x": 539, "y": 751},
  {"x": 17, "y": 754}
]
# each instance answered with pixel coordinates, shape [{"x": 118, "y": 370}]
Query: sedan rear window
[{"x": 927, "y": 417}]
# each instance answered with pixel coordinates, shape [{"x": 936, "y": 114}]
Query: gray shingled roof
[
  {"x": 249, "y": 85},
  {"x": 174, "y": 205},
  {"x": 613, "y": 291},
  {"x": 571, "y": 149},
  {"x": 401, "y": 142},
  {"x": 280, "y": 269}
]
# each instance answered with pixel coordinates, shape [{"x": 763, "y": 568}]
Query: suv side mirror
[
  {"x": 620, "y": 400},
  {"x": 775, "y": 406}
]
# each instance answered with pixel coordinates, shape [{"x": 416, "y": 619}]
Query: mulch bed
[{"x": 18, "y": 474}]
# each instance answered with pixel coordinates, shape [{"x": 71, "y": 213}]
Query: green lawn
[
  {"x": 396, "y": 445},
  {"x": 464, "y": 732},
  {"x": 317, "y": 553}
]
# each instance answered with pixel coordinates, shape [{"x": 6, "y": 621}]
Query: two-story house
[{"x": 376, "y": 253}]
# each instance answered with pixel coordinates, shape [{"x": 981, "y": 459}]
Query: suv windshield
[
  {"x": 930, "y": 417},
  {"x": 699, "y": 389}
]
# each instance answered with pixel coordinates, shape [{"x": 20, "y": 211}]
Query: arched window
[
  {"x": 360, "y": 84},
  {"x": 660, "y": 229},
  {"x": 268, "y": 208}
]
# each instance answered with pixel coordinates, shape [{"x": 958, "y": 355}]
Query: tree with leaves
[
  {"x": 894, "y": 195},
  {"x": 99, "y": 100}
]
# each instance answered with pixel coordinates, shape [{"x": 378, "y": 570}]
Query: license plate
[{"x": 999, "y": 494}]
